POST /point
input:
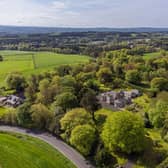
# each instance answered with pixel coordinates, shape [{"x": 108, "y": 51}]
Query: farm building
[
  {"x": 118, "y": 99},
  {"x": 11, "y": 101}
]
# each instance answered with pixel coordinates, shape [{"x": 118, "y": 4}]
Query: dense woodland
[{"x": 64, "y": 100}]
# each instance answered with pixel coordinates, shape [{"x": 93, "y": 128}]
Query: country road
[{"x": 62, "y": 147}]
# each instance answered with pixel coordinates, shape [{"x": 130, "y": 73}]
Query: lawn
[
  {"x": 21, "y": 151},
  {"x": 34, "y": 62}
]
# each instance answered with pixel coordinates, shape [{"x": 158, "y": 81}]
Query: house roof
[{"x": 3, "y": 99}]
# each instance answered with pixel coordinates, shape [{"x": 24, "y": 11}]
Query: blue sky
[{"x": 84, "y": 13}]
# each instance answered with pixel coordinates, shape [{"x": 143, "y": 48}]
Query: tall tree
[
  {"x": 16, "y": 80},
  {"x": 41, "y": 116},
  {"x": 124, "y": 132},
  {"x": 83, "y": 137},
  {"x": 90, "y": 102},
  {"x": 74, "y": 118}
]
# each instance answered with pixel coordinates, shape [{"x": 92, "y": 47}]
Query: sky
[{"x": 84, "y": 13}]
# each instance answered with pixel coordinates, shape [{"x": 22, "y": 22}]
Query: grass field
[
  {"x": 151, "y": 55},
  {"x": 20, "y": 151},
  {"x": 34, "y": 62}
]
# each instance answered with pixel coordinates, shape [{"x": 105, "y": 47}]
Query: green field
[
  {"x": 34, "y": 62},
  {"x": 20, "y": 151},
  {"x": 151, "y": 55}
]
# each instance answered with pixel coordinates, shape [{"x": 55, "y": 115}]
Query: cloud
[
  {"x": 84, "y": 13},
  {"x": 59, "y": 5}
]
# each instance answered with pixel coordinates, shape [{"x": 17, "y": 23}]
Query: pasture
[
  {"x": 21, "y": 151},
  {"x": 34, "y": 62},
  {"x": 151, "y": 55}
]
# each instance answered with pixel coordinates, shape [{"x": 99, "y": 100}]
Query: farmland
[
  {"x": 34, "y": 62},
  {"x": 18, "y": 151}
]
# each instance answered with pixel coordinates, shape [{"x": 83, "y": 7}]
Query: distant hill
[{"x": 35, "y": 30}]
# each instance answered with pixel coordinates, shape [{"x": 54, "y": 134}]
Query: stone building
[
  {"x": 118, "y": 99},
  {"x": 11, "y": 101}
]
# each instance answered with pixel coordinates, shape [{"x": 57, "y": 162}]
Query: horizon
[
  {"x": 84, "y": 14},
  {"x": 68, "y": 27}
]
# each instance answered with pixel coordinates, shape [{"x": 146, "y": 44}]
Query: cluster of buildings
[
  {"x": 11, "y": 101},
  {"x": 118, "y": 99},
  {"x": 113, "y": 99}
]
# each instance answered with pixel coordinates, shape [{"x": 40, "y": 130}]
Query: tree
[
  {"x": 104, "y": 75},
  {"x": 163, "y": 53},
  {"x": 1, "y": 58},
  {"x": 16, "y": 81},
  {"x": 124, "y": 131},
  {"x": 133, "y": 76},
  {"x": 158, "y": 113},
  {"x": 64, "y": 70},
  {"x": 84, "y": 77},
  {"x": 41, "y": 116},
  {"x": 10, "y": 118},
  {"x": 30, "y": 93},
  {"x": 74, "y": 118},
  {"x": 103, "y": 158},
  {"x": 68, "y": 84},
  {"x": 68, "y": 81},
  {"x": 160, "y": 83},
  {"x": 90, "y": 102},
  {"x": 48, "y": 91},
  {"x": 54, "y": 125},
  {"x": 163, "y": 164},
  {"x": 164, "y": 132},
  {"x": 92, "y": 84},
  {"x": 24, "y": 115},
  {"x": 82, "y": 138},
  {"x": 66, "y": 100},
  {"x": 32, "y": 88}
]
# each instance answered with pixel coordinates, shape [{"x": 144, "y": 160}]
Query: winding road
[{"x": 75, "y": 157}]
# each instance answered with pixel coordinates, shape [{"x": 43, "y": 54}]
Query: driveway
[{"x": 74, "y": 156}]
